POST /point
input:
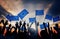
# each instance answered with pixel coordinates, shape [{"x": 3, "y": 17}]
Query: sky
[{"x": 15, "y": 6}]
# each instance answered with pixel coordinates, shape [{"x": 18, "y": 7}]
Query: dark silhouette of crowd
[{"x": 12, "y": 32}]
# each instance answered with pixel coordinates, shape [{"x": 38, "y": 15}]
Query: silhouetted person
[
  {"x": 20, "y": 23},
  {"x": 15, "y": 32},
  {"x": 45, "y": 27},
  {"x": 49, "y": 32},
  {"x": 56, "y": 27},
  {"x": 27, "y": 24},
  {"x": 16, "y": 25},
  {"x": 6, "y": 23},
  {"x": 24, "y": 25},
  {"x": 8, "y": 30},
  {"x": 2, "y": 21},
  {"x": 24, "y": 29},
  {"x": 44, "y": 33},
  {"x": 56, "y": 36}
]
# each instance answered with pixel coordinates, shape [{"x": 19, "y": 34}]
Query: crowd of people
[{"x": 12, "y": 32}]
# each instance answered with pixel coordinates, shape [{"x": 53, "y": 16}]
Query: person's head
[
  {"x": 16, "y": 25},
  {"x": 20, "y": 23},
  {"x": 56, "y": 25},
  {"x": 12, "y": 29},
  {"x": 16, "y": 22},
  {"x": 6, "y": 22},
  {"x": 24, "y": 24},
  {"x": 9, "y": 25},
  {"x": 2, "y": 21},
  {"x": 27, "y": 24}
]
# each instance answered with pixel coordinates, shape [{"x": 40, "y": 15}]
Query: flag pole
[{"x": 36, "y": 25}]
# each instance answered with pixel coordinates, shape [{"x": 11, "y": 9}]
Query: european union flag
[
  {"x": 48, "y": 17},
  {"x": 32, "y": 19},
  {"x": 42, "y": 26},
  {"x": 23, "y": 13},
  {"x": 12, "y": 18},
  {"x": 55, "y": 19},
  {"x": 39, "y": 12}
]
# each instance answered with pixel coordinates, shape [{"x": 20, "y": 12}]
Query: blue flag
[
  {"x": 55, "y": 19},
  {"x": 12, "y": 18},
  {"x": 48, "y": 17},
  {"x": 23, "y": 13},
  {"x": 8, "y": 16},
  {"x": 32, "y": 19},
  {"x": 42, "y": 26},
  {"x": 39, "y": 12}
]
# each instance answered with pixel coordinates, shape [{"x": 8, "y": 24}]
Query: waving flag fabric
[
  {"x": 55, "y": 19},
  {"x": 12, "y": 18},
  {"x": 39, "y": 12},
  {"x": 23, "y": 13},
  {"x": 42, "y": 26},
  {"x": 32, "y": 19},
  {"x": 48, "y": 17}
]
